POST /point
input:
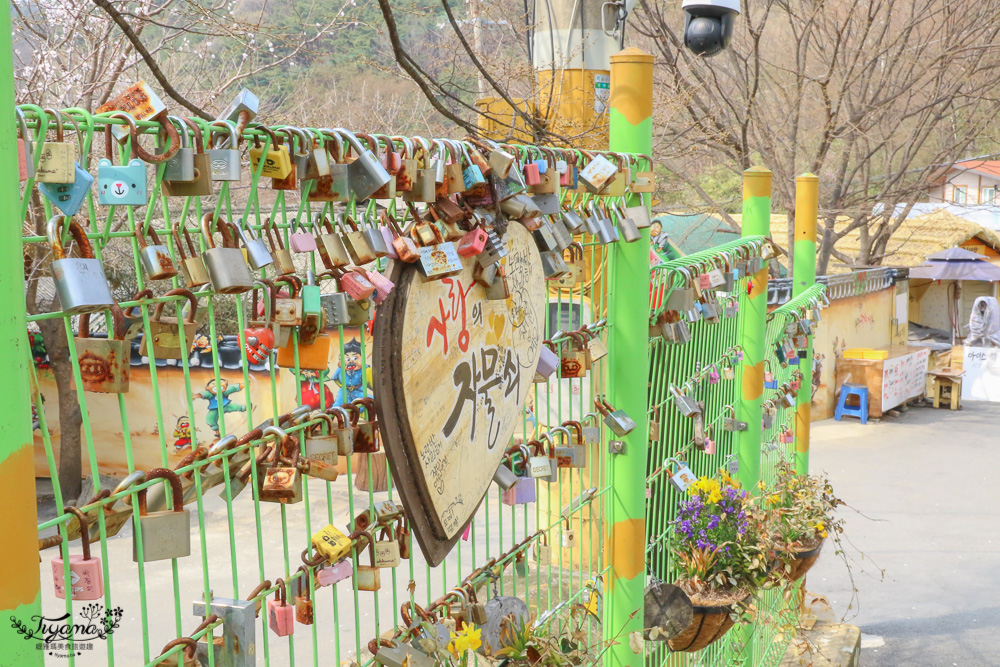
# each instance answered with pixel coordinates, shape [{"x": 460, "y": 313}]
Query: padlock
[
  {"x": 787, "y": 436},
  {"x": 388, "y": 189},
  {"x": 224, "y": 157},
  {"x": 568, "y": 536},
  {"x": 687, "y": 406},
  {"x": 304, "y": 612},
  {"x": 357, "y": 245},
  {"x": 573, "y": 222},
  {"x": 366, "y": 576},
  {"x": 69, "y": 197},
  {"x": 256, "y": 251},
  {"x": 282, "y": 480},
  {"x": 313, "y": 316},
  {"x": 321, "y": 442},
  {"x": 386, "y": 550},
  {"x": 365, "y": 174},
  {"x": 330, "y": 245},
  {"x": 595, "y": 344},
  {"x": 192, "y": 265},
  {"x": 541, "y": 465},
  {"x": 335, "y": 573},
  {"x": 86, "y": 578},
  {"x": 287, "y": 309},
  {"x": 495, "y": 248},
  {"x": 709, "y": 447},
  {"x": 335, "y": 306},
  {"x": 569, "y": 454},
  {"x": 504, "y": 476},
  {"x": 333, "y": 186},
  {"x": 124, "y": 185},
  {"x": 473, "y": 242},
  {"x": 366, "y": 432},
  {"x": 383, "y": 286},
  {"x": 699, "y": 425},
  {"x": 330, "y": 543},
  {"x": 617, "y": 420},
  {"x": 260, "y": 338},
  {"x": 521, "y": 493},
  {"x": 283, "y": 263},
  {"x": 438, "y": 259},
  {"x": 375, "y": 236},
  {"x": 56, "y": 160},
  {"x": 767, "y": 415},
  {"x": 354, "y": 283},
  {"x": 165, "y": 331},
  {"x": 155, "y": 258},
  {"x": 730, "y": 423},
  {"x": 422, "y": 179},
  {"x": 572, "y": 361},
  {"x": 180, "y": 167},
  {"x": 226, "y": 268},
  {"x": 598, "y": 173},
  {"x": 104, "y": 362},
  {"x": 166, "y": 534},
  {"x": 769, "y": 381},
  {"x": 359, "y": 312},
  {"x": 626, "y": 225},
  {"x": 498, "y": 289},
  {"x": 404, "y": 247},
  {"x": 713, "y": 375},
  {"x": 277, "y": 163},
  {"x": 280, "y": 614},
  {"x": 200, "y": 184},
  {"x": 682, "y": 478},
  {"x": 548, "y": 362},
  {"x": 187, "y": 657}
]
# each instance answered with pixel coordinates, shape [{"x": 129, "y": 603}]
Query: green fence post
[
  {"x": 631, "y": 127},
  {"x": 753, "y": 337},
  {"x": 804, "y": 277},
  {"x": 20, "y": 597}
]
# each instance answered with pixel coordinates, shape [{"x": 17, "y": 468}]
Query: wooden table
[
  {"x": 891, "y": 381},
  {"x": 947, "y": 381}
]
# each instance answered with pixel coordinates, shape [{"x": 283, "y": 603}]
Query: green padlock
[{"x": 313, "y": 320}]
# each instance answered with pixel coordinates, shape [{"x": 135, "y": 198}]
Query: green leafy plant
[{"x": 801, "y": 510}]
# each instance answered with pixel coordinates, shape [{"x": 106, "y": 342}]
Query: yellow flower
[
  {"x": 468, "y": 638},
  {"x": 774, "y": 499},
  {"x": 715, "y": 496}
]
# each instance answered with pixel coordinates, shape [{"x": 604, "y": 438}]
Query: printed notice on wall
[
  {"x": 903, "y": 377},
  {"x": 981, "y": 381}
]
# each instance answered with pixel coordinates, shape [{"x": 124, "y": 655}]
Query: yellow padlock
[
  {"x": 332, "y": 544},
  {"x": 277, "y": 163}
]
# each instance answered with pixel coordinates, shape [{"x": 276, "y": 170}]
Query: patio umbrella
[{"x": 956, "y": 264}]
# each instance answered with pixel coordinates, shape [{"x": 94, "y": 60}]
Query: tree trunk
[
  {"x": 825, "y": 249},
  {"x": 70, "y": 418}
]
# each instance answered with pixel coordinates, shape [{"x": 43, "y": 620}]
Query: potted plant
[
  {"x": 721, "y": 549},
  {"x": 800, "y": 516}
]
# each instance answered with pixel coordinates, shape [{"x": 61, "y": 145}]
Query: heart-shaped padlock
[{"x": 260, "y": 344}]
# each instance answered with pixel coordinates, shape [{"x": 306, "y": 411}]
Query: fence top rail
[{"x": 708, "y": 259}]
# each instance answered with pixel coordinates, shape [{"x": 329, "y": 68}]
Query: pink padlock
[
  {"x": 532, "y": 176},
  {"x": 473, "y": 242},
  {"x": 704, "y": 282},
  {"x": 709, "y": 448},
  {"x": 280, "y": 614},
  {"x": 334, "y": 573},
  {"x": 787, "y": 437},
  {"x": 85, "y": 574},
  {"x": 713, "y": 375},
  {"x": 522, "y": 493},
  {"x": 467, "y": 532},
  {"x": 356, "y": 285},
  {"x": 382, "y": 285},
  {"x": 388, "y": 236},
  {"x": 299, "y": 241}
]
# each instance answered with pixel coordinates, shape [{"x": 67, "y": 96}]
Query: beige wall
[
  {"x": 148, "y": 440},
  {"x": 858, "y": 321},
  {"x": 929, "y": 301}
]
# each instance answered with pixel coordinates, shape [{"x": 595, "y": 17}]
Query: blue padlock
[
  {"x": 543, "y": 166},
  {"x": 125, "y": 185},
  {"x": 69, "y": 197}
]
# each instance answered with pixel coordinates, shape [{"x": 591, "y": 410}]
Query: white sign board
[
  {"x": 904, "y": 377},
  {"x": 981, "y": 381}
]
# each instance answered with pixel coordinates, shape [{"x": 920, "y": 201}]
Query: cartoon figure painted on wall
[
  {"x": 182, "y": 433},
  {"x": 349, "y": 378},
  {"x": 212, "y": 396},
  {"x": 38, "y": 353},
  {"x": 310, "y": 384}
]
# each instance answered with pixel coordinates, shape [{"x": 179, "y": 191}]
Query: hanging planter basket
[
  {"x": 802, "y": 561},
  {"x": 710, "y": 621}
]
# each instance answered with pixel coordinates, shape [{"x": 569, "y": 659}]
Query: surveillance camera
[{"x": 708, "y": 25}]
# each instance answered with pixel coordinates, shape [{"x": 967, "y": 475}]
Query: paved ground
[{"x": 928, "y": 481}]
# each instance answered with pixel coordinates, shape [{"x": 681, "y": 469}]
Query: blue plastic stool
[{"x": 860, "y": 410}]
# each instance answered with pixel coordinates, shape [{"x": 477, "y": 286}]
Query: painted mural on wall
[{"x": 197, "y": 414}]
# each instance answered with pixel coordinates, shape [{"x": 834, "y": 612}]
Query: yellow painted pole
[{"x": 804, "y": 277}]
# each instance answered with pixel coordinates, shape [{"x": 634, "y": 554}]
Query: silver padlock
[
  {"x": 548, "y": 204},
  {"x": 554, "y": 264},
  {"x": 504, "y": 477},
  {"x": 730, "y": 422},
  {"x": 617, "y": 420},
  {"x": 639, "y": 215},
  {"x": 257, "y": 252},
  {"x": 573, "y": 221},
  {"x": 682, "y": 478},
  {"x": 224, "y": 157},
  {"x": 627, "y": 227},
  {"x": 545, "y": 238},
  {"x": 80, "y": 281},
  {"x": 365, "y": 174},
  {"x": 181, "y": 166},
  {"x": 155, "y": 257},
  {"x": 226, "y": 268},
  {"x": 242, "y": 109},
  {"x": 494, "y": 250},
  {"x": 564, "y": 238},
  {"x": 687, "y": 406}
]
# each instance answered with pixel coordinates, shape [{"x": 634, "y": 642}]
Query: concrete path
[{"x": 930, "y": 482}]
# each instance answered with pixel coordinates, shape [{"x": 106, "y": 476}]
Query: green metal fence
[{"x": 549, "y": 552}]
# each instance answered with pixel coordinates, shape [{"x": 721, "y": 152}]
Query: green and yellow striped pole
[
  {"x": 804, "y": 277},
  {"x": 753, "y": 337},
  {"x": 19, "y": 593},
  {"x": 631, "y": 127}
]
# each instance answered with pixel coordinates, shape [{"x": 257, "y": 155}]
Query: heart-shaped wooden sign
[{"x": 452, "y": 371}]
